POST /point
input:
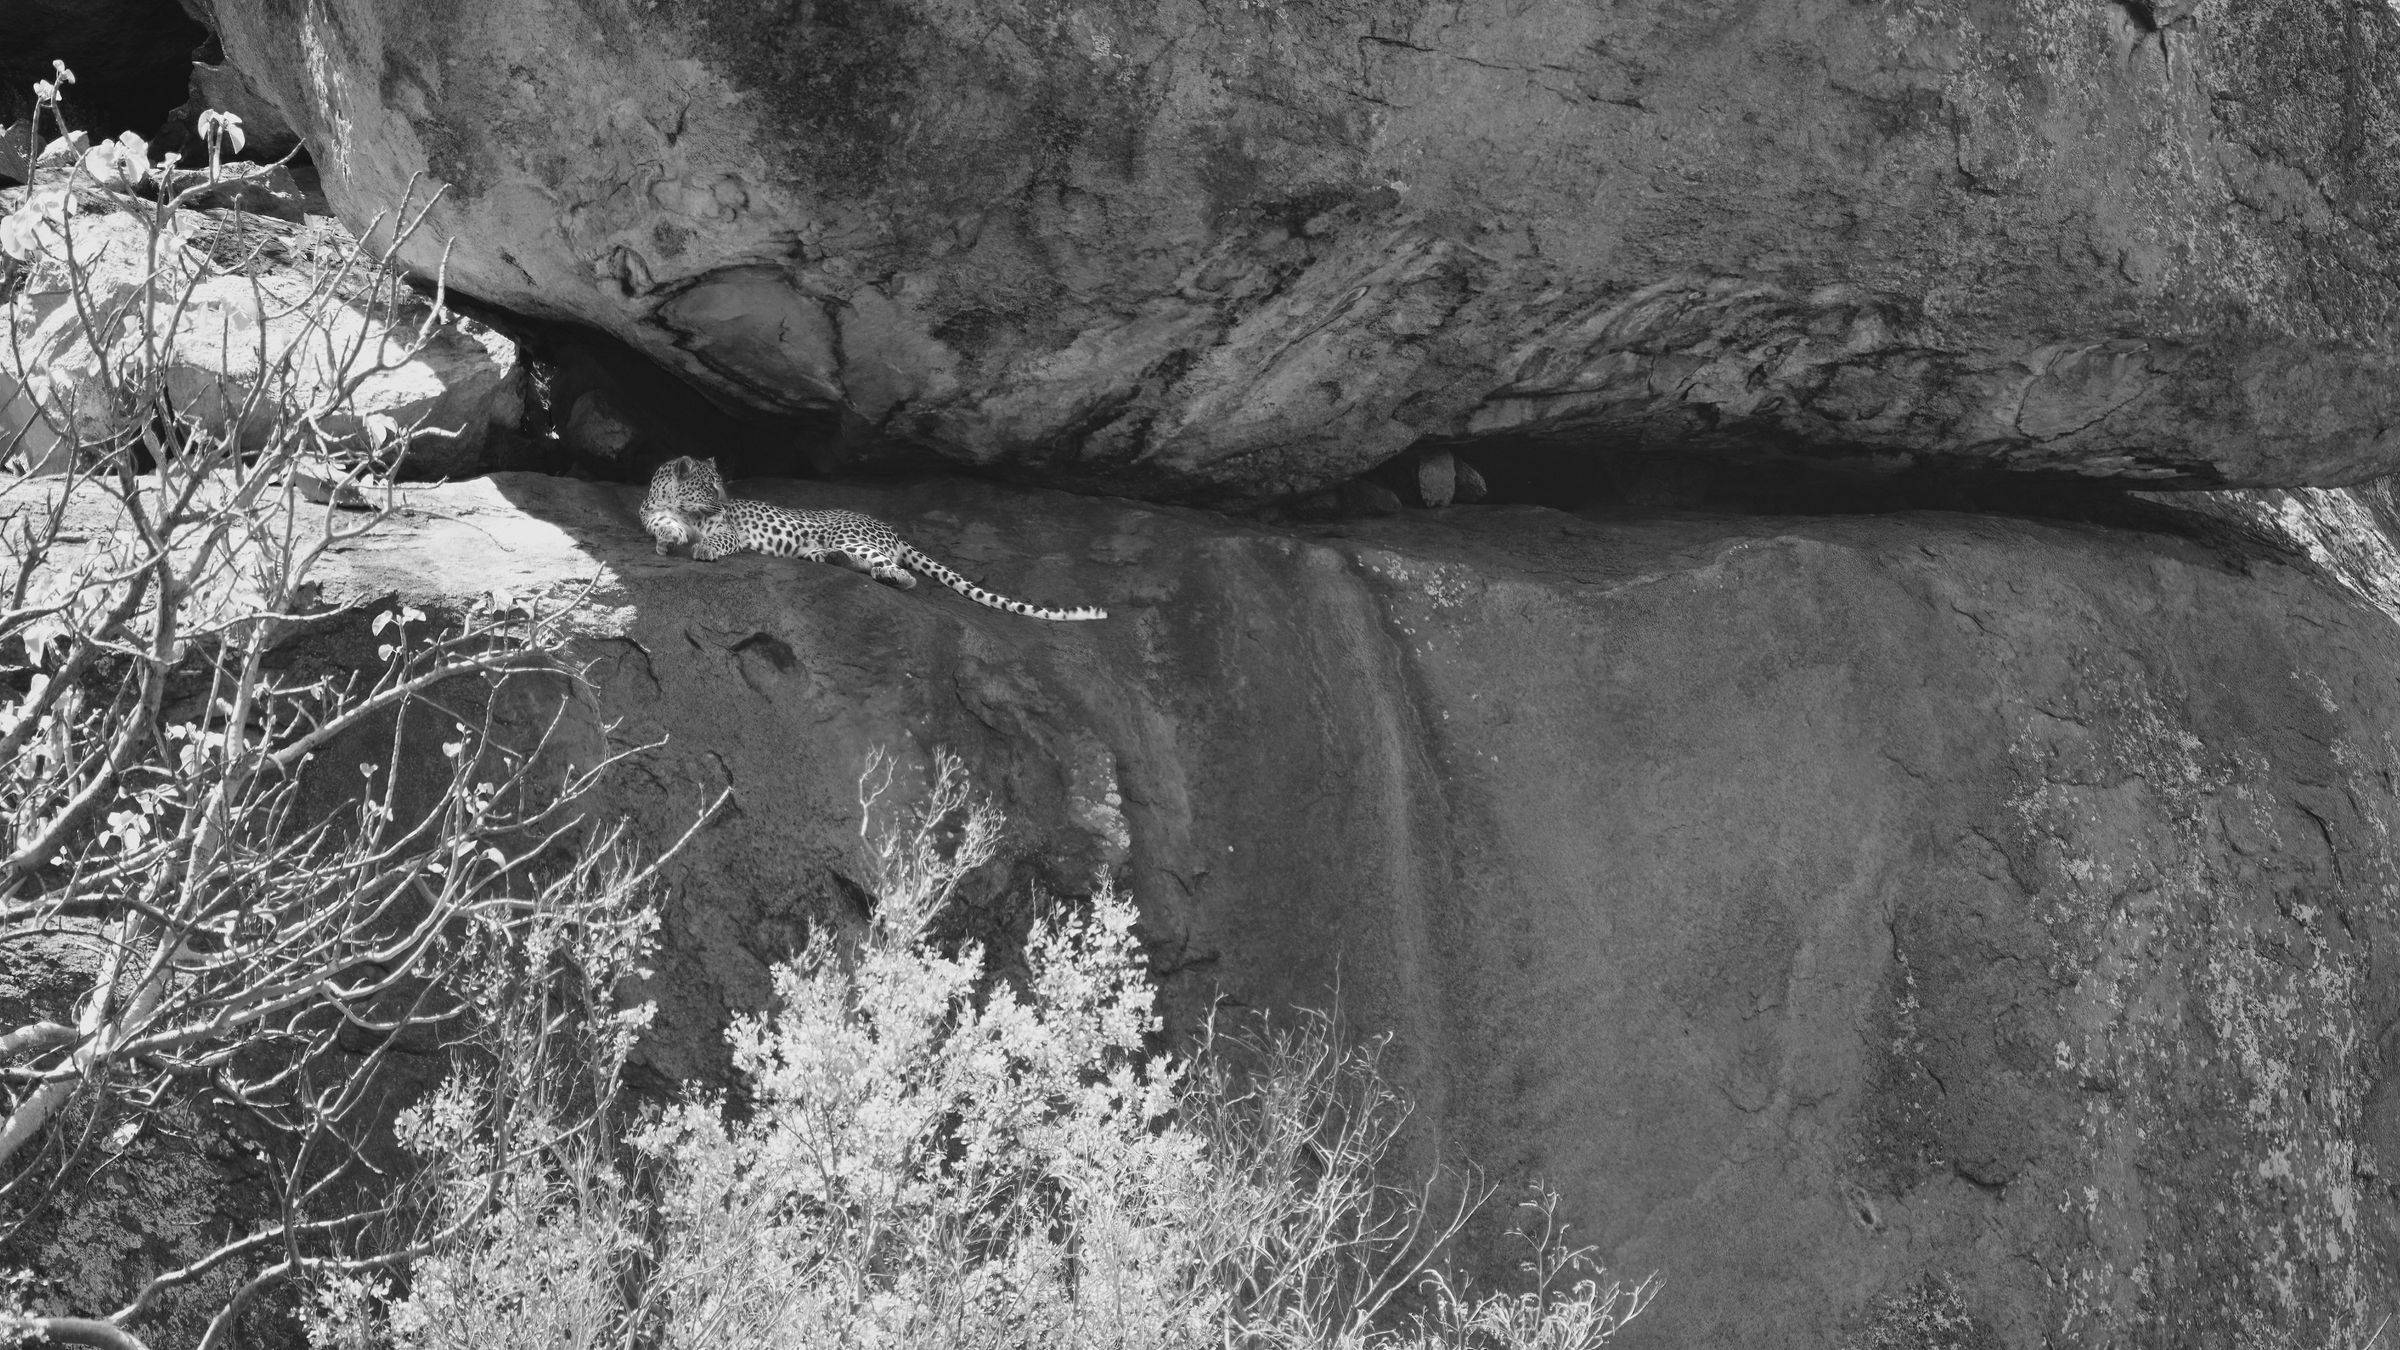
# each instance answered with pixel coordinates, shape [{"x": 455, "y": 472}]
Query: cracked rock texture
[
  {"x": 1870, "y": 924},
  {"x": 251, "y": 354},
  {"x": 1170, "y": 248}
]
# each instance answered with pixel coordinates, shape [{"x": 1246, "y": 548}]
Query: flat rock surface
[
  {"x": 1865, "y": 922},
  {"x": 1181, "y": 249}
]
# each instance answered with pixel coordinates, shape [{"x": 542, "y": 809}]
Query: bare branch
[
  {"x": 37, "y": 1037},
  {"x": 74, "y": 1331},
  {"x": 152, "y": 776}
]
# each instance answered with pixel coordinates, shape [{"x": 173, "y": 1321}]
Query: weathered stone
[
  {"x": 1437, "y": 478},
  {"x": 53, "y": 394},
  {"x": 57, "y": 391},
  {"x": 155, "y": 1200},
  {"x": 221, "y": 88},
  {"x": 1179, "y": 248},
  {"x": 1471, "y": 487},
  {"x": 261, "y": 189},
  {"x": 16, "y": 152},
  {"x": 1867, "y": 922},
  {"x": 596, "y": 429}
]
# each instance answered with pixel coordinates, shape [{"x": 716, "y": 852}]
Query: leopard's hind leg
[
  {"x": 881, "y": 565},
  {"x": 867, "y": 563}
]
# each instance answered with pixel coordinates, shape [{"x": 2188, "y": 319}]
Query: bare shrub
[{"x": 279, "y": 938}]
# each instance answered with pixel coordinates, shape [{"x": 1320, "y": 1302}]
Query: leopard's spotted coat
[{"x": 687, "y": 503}]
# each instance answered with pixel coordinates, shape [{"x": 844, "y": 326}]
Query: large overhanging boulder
[{"x": 1240, "y": 250}]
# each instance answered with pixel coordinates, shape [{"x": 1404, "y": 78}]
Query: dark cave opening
[
  {"x": 1595, "y": 479},
  {"x": 600, "y": 408},
  {"x": 132, "y": 61}
]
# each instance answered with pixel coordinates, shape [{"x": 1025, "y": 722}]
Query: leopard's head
[{"x": 689, "y": 484}]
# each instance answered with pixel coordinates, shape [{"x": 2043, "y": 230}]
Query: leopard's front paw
[{"x": 706, "y": 553}]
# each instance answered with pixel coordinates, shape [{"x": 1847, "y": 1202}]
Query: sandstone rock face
[
  {"x": 1869, "y": 923},
  {"x": 220, "y": 87},
  {"x": 1239, "y": 251},
  {"x": 240, "y": 356}
]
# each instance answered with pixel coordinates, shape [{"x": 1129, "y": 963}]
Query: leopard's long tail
[{"x": 916, "y": 561}]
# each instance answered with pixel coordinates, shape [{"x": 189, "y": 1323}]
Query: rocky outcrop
[
  {"x": 265, "y": 135},
  {"x": 1237, "y": 252},
  {"x": 1925, "y": 920},
  {"x": 249, "y": 327}
]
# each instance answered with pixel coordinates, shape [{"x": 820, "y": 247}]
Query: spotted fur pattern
[
  {"x": 683, "y": 493},
  {"x": 687, "y": 503}
]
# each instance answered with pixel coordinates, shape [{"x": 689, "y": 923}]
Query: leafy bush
[{"x": 929, "y": 1157}]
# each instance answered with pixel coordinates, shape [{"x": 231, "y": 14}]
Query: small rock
[
  {"x": 261, "y": 189},
  {"x": 1471, "y": 487},
  {"x": 597, "y": 427},
  {"x": 14, "y": 165},
  {"x": 1437, "y": 477}
]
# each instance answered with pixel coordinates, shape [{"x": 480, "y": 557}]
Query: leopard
[{"x": 687, "y": 504}]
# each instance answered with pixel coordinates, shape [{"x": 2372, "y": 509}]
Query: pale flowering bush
[
  {"x": 931, "y": 1157},
  {"x": 238, "y": 906}
]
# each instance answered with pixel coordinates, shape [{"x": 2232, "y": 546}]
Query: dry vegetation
[
  {"x": 932, "y": 1158},
  {"x": 279, "y": 916}
]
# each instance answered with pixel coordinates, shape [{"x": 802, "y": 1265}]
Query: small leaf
[
  {"x": 116, "y": 166},
  {"x": 20, "y": 235},
  {"x": 216, "y": 122},
  {"x": 39, "y": 218}
]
